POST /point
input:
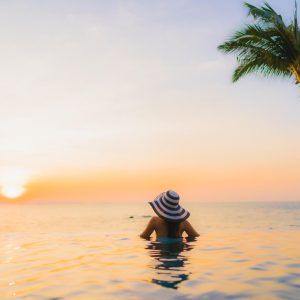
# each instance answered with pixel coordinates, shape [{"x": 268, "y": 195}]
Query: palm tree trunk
[{"x": 296, "y": 72}]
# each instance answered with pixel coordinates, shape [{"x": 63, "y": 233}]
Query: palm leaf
[{"x": 265, "y": 14}]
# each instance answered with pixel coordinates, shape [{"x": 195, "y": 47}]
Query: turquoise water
[{"x": 92, "y": 251}]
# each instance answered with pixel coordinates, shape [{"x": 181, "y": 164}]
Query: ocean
[{"x": 92, "y": 251}]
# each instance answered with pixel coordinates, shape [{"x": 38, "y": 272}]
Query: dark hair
[{"x": 173, "y": 229}]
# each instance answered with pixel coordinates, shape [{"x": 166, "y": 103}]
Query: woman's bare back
[{"x": 161, "y": 228}]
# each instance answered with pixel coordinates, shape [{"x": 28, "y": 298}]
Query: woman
[{"x": 171, "y": 220}]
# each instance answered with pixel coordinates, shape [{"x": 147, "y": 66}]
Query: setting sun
[
  {"x": 12, "y": 182},
  {"x": 12, "y": 191}
]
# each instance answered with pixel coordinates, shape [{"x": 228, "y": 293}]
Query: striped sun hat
[{"x": 166, "y": 206}]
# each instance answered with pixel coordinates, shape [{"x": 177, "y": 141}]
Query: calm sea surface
[{"x": 245, "y": 251}]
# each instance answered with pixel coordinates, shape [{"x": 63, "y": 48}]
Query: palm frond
[
  {"x": 265, "y": 14},
  {"x": 252, "y": 35},
  {"x": 255, "y": 67}
]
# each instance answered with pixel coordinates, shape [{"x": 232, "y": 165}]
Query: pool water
[{"x": 76, "y": 251}]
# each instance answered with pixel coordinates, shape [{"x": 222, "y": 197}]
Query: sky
[{"x": 120, "y": 100}]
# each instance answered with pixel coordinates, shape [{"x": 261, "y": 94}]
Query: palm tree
[{"x": 268, "y": 46}]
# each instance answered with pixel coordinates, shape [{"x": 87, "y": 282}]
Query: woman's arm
[
  {"x": 149, "y": 229},
  {"x": 188, "y": 228}
]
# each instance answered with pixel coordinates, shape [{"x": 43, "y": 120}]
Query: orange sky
[{"x": 256, "y": 183}]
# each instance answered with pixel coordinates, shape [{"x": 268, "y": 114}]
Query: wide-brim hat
[{"x": 166, "y": 206}]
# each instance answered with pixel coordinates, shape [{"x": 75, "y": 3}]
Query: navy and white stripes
[{"x": 167, "y": 207}]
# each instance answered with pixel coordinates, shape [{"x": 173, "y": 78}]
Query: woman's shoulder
[
  {"x": 184, "y": 223},
  {"x": 155, "y": 220}
]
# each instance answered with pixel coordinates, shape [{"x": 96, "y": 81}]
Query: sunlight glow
[
  {"x": 12, "y": 182},
  {"x": 12, "y": 191}
]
